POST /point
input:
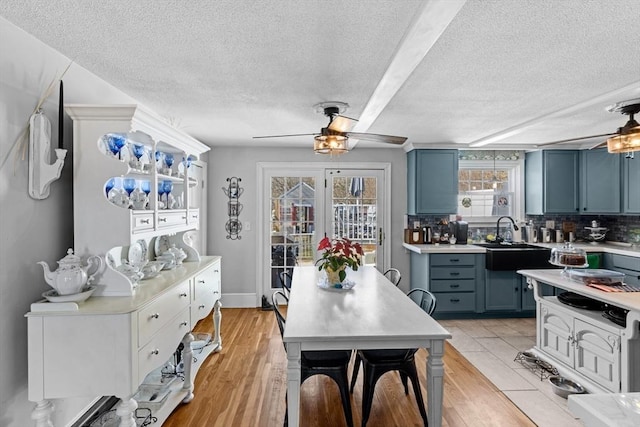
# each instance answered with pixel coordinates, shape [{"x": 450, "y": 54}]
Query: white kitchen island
[{"x": 583, "y": 345}]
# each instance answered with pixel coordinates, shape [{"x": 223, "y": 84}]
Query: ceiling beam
[{"x": 424, "y": 31}]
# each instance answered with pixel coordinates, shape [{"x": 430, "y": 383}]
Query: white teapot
[{"x": 71, "y": 277}]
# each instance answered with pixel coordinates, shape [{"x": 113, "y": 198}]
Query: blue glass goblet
[
  {"x": 129, "y": 184},
  {"x": 146, "y": 187},
  {"x": 109, "y": 186},
  {"x": 168, "y": 187},
  {"x": 160, "y": 192},
  {"x": 115, "y": 143},
  {"x": 168, "y": 160}
]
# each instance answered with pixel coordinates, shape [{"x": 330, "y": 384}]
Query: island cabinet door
[
  {"x": 556, "y": 333},
  {"x": 597, "y": 354}
]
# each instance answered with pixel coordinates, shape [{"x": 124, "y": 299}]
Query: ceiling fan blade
[
  {"x": 389, "y": 139},
  {"x": 562, "y": 141},
  {"x": 341, "y": 123},
  {"x": 284, "y": 136},
  {"x": 601, "y": 144}
]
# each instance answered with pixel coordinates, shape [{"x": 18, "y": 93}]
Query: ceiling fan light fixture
[
  {"x": 626, "y": 142},
  {"x": 331, "y": 144}
]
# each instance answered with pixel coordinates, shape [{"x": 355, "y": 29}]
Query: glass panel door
[
  {"x": 354, "y": 210},
  {"x": 292, "y": 225}
]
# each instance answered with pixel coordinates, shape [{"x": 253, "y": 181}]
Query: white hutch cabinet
[{"x": 109, "y": 344}]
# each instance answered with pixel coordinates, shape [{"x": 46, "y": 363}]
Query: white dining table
[{"x": 374, "y": 314}]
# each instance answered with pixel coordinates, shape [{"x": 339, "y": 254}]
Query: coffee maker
[{"x": 460, "y": 230}]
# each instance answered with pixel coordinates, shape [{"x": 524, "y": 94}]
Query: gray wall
[
  {"x": 32, "y": 230},
  {"x": 238, "y": 263}
]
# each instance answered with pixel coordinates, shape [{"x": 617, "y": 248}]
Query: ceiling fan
[
  {"x": 334, "y": 139},
  {"x": 626, "y": 139}
]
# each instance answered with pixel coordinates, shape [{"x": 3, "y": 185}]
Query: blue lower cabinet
[{"x": 502, "y": 291}]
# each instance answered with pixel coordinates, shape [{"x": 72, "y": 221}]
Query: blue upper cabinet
[
  {"x": 631, "y": 185},
  {"x": 600, "y": 182},
  {"x": 551, "y": 182},
  {"x": 432, "y": 182}
]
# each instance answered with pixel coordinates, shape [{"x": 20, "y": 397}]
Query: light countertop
[
  {"x": 557, "y": 278},
  {"x": 606, "y": 410},
  {"x": 608, "y": 247}
]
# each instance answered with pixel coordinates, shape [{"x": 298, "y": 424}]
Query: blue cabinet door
[
  {"x": 551, "y": 182},
  {"x": 599, "y": 182},
  {"x": 432, "y": 182},
  {"x": 631, "y": 185},
  {"x": 502, "y": 290},
  {"x": 560, "y": 185}
]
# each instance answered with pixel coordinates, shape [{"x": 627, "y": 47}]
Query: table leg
[
  {"x": 293, "y": 383},
  {"x": 126, "y": 411},
  {"x": 435, "y": 382},
  {"x": 217, "y": 316},
  {"x": 187, "y": 360},
  {"x": 41, "y": 414}
]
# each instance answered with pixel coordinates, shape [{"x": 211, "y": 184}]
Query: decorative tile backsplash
[{"x": 621, "y": 228}]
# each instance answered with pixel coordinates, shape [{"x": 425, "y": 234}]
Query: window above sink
[{"x": 479, "y": 203}]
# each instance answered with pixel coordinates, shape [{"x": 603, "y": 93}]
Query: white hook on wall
[{"x": 41, "y": 173}]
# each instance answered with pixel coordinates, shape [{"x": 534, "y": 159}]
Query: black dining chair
[
  {"x": 332, "y": 363},
  {"x": 378, "y": 362},
  {"x": 394, "y": 276},
  {"x": 285, "y": 282}
]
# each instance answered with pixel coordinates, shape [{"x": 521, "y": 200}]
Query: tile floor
[{"x": 491, "y": 345}]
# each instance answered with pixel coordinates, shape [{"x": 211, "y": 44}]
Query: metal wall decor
[{"x": 233, "y": 191}]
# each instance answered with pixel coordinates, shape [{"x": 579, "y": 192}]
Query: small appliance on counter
[
  {"x": 413, "y": 236},
  {"x": 426, "y": 235},
  {"x": 460, "y": 230}
]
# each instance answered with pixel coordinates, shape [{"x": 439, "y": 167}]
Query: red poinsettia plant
[{"x": 338, "y": 254}]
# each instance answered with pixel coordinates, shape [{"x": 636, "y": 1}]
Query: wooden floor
[{"x": 245, "y": 384}]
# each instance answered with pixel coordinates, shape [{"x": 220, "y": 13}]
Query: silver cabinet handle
[
  {"x": 183, "y": 323},
  {"x": 144, "y": 221},
  {"x": 155, "y": 352},
  {"x": 183, "y": 294},
  {"x": 201, "y": 306},
  {"x": 200, "y": 281},
  {"x": 162, "y": 219},
  {"x": 154, "y": 316}
]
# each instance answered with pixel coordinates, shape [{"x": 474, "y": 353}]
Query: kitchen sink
[{"x": 515, "y": 256}]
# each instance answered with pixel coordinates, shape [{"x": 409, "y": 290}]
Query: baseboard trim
[{"x": 249, "y": 300}]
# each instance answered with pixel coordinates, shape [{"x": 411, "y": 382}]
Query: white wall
[
  {"x": 32, "y": 230},
  {"x": 238, "y": 263}
]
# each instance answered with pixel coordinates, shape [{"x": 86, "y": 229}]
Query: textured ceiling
[{"x": 507, "y": 72}]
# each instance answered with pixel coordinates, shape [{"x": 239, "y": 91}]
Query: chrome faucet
[{"x": 515, "y": 227}]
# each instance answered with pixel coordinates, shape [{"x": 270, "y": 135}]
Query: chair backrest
[
  {"x": 285, "y": 281},
  {"x": 394, "y": 276},
  {"x": 426, "y": 301},
  {"x": 275, "y": 299}
]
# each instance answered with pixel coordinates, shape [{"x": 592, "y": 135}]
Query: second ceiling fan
[
  {"x": 334, "y": 138},
  {"x": 625, "y": 139}
]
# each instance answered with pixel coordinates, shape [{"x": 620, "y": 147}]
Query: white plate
[
  {"x": 138, "y": 252},
  {"x": 162, "y": 245},
  {"x": 347, "y": 285},
  {"x": 53, "y": 296}
]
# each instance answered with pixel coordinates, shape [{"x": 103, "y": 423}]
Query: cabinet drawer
[
  {"x": 171, "y": 219},
  {"x": 153, "y": 317},
  {"x": 162, "y": 345},
  {"x": 452, "y": 259},
  {"x": 453, "y": 273},
  {"x": 451, "y": 301},
  {"x": 461, "y": 285},
  {"x": 141, "y": 222}
]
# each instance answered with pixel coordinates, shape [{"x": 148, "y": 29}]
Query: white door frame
[{"x": 264, "y": 169}]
